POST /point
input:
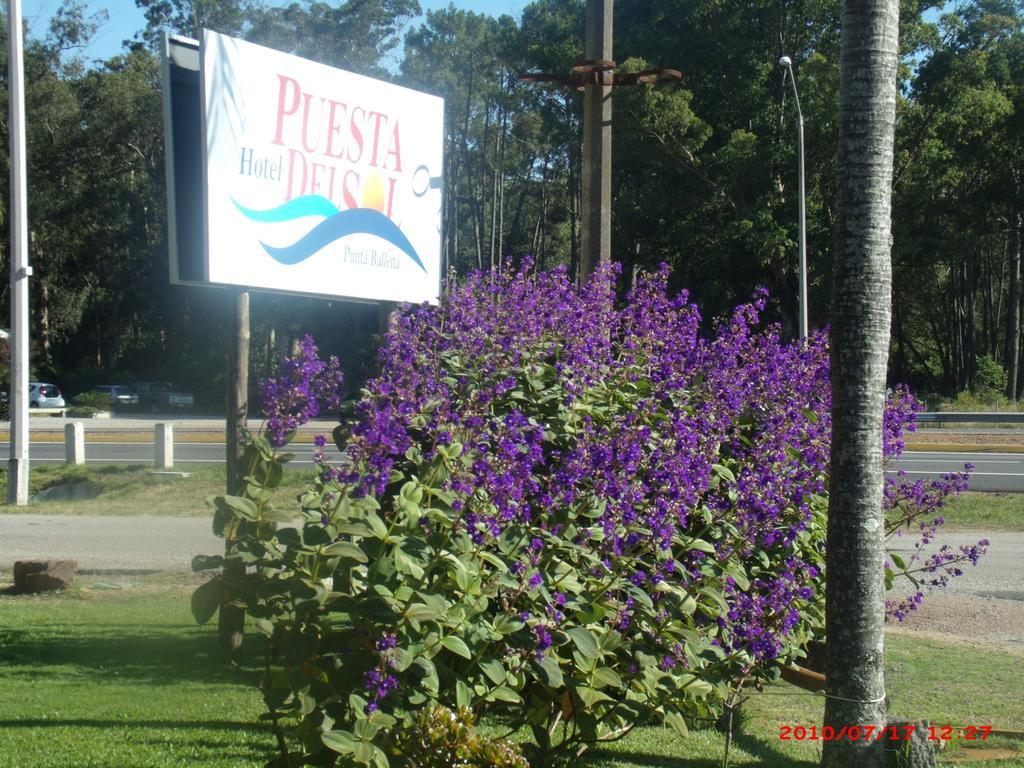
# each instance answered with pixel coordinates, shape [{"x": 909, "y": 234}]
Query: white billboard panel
[{"x": 319, "y": 180}]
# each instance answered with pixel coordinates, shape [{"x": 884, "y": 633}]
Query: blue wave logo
[{"x": 336, "y": 225}]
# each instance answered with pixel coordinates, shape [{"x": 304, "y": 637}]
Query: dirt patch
[{"x": 983, "y": 622}]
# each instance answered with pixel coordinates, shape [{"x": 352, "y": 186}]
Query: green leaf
[
  {"x": 689, "y": 605},
  {"x": 356, "y": 528},
  {"x": 462, "y": 578},
  {"x": 740, "y": 577},
  {"x": 365, "y": 752},
  {"x": 716, "y": 596},
  {"x": 701, "y": 546},
  {"x": 380, "y": 759},
  {"x": 723, "y": 472},
  {"x": 494, "y": 671},
  {"x": 605, "y": 677},
  {"x": 206, "y": 600},
  {"x": 548, "y": 671},
  {"x": 382, "y": 719},
  {"x": 264, "y": 627},
  {"x": 675, "y": 720},
  {"x": 504, "y": 693},
  {"x": 590, "y": 696},
  {"x": 242, "y": 507},
  {"x": 272, "y": 515},
  {"x": 494, "y": 560},
  {"x": 344, "y": 549},
  {"x": 506, "y": 625},
  {"x": 421, "y": 612},
  {"x": 342, "y": 742},
  {"x": 411, "y": 491},
  {"x": 429, "y": 680},
  {"x": 406, "y": 564},
  {"x": 898, "y": 561},
  {"x": 380, "y": 529},
  {"x": 275, "y": 474},
  {"x": 463, "y": 694},
  {"x": 584, "y": 640},
  {"x": 695, "y": 686},
  {"x": 457, "y": 646}
]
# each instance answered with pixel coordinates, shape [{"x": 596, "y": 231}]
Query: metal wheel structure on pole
[{"x": 596, "y": 77}]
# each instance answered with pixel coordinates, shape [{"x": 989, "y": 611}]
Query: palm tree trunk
[{"x": 861, "y": 301}]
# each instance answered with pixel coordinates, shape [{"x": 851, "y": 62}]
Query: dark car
[
  {"x": 159, "y": 396},
  {"x": 119, "y": 394}
]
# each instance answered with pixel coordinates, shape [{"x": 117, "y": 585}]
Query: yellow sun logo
[{"x": 373, "y": 193}]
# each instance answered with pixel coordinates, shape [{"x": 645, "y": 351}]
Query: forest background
[{"x": 704, "y": 174}]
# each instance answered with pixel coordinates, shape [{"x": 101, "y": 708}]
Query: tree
[
  {"x": 860, "y": 349},
  {"x": 957, "y": 189}
]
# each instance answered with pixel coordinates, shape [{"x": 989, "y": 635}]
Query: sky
[{"x": 125, "y": 19}]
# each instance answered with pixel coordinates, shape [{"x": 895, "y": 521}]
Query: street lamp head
[{"x": 785, "y": 61}]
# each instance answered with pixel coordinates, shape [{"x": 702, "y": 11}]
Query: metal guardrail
[{"x": 969, "y": 417}]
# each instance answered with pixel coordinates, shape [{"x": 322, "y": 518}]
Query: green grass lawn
[
  {"x": 135, "y": 490},
  {"x": 124, "y": 678},
  {"x": 120, "y": 678},
  {"x": 986, "y": 511}
]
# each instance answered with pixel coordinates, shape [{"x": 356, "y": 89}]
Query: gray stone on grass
[{"x": 35, "y": 576}]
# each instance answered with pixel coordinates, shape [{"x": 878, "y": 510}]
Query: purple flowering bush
[
  {"x": 913, "y": 517},
  {"x": 561, "y": 513}
]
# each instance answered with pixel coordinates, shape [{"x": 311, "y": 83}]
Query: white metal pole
[
  {"x": 803, "y": 229},
  {"x": 786, "y": 62},
  {"x": 17, "y": 476}
]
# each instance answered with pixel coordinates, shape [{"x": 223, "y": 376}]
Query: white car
[{"x": 41, "y": 395}]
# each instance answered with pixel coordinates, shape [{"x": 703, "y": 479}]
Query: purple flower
[{"x": 305, "y": 387}]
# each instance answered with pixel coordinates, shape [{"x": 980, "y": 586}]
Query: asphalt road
[{"x": 992, "y": 471}]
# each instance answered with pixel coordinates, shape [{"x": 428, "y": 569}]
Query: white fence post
[
  {"x": 74, "y": 443},
  {"x": 164, "y": 440}
]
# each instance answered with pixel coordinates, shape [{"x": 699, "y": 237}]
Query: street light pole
[
  {"x": 17, "y": 475},
  {"x": 787, "y": 62}
]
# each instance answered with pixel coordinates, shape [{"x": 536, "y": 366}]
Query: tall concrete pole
[
  {"x": 17, "y": 476},
  {"x": 596, "y": 214}
]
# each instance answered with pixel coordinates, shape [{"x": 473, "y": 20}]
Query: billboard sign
[{"x": 317, "y": 181}]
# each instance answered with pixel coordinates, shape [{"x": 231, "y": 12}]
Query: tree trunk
[
  {"x": 855, "y": 613},
  {"x": 1013, "y": 308},
  {"x": 45, "y": 337},
  {"x": 902, "y": 372},
  {"x": 971, "y": 268}
]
